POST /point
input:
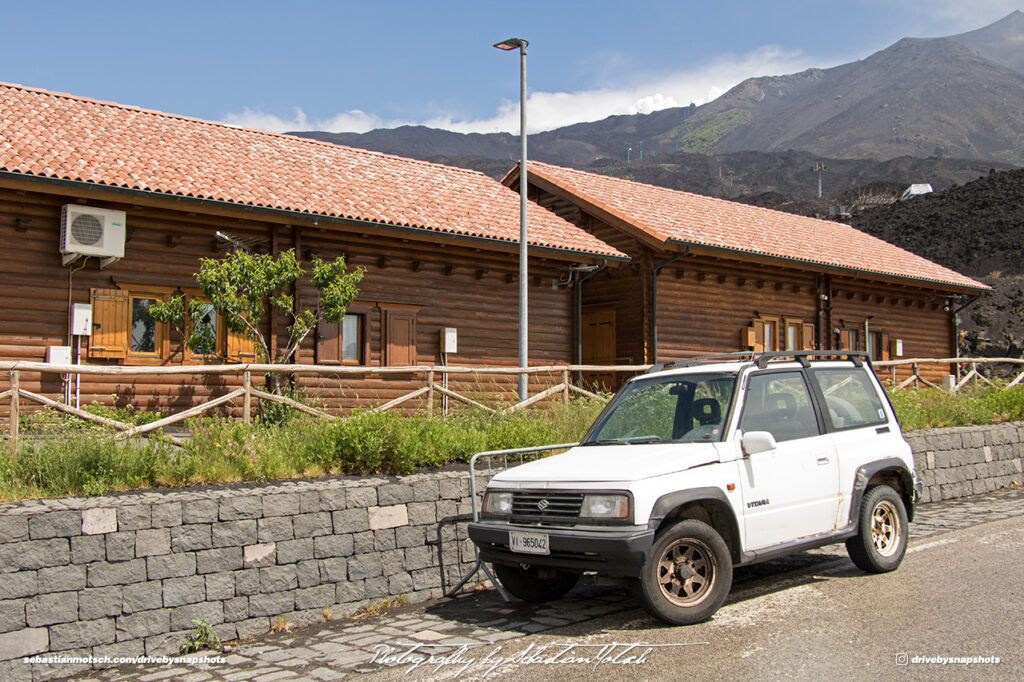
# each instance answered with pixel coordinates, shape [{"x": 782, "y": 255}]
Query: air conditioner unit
[{"x": 88, "y": 231}]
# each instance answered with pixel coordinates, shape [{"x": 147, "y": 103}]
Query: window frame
[{"x": 161, "y": 342}]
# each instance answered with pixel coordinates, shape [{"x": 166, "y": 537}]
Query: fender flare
[
  {"x": 864, "y": 474},
  {"x": 666, "y": 503}
]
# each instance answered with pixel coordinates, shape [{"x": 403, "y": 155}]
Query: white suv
[{"x": 699, "y": 466}]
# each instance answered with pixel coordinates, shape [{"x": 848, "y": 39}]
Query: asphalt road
[{"x": 957, "y": 595}]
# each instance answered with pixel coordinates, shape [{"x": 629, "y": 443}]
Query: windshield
[{"x": 679, "y": 408}]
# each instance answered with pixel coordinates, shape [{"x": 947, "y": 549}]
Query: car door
[{"x": 790, "y": 492}]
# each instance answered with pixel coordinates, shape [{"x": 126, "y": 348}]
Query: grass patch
[
  {"x": 85, "y": 461},
  {"x": 220, "y": 450},
  {"x": 975, "y": 404}
]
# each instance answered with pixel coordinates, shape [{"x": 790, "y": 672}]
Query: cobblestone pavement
[{"x": 345, "y": 648}]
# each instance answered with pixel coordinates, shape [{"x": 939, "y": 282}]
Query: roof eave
[
  {"x": 308, "y": 215},
  {"x": 826, "y": 267},
  {"x": 620, "y": 223}
]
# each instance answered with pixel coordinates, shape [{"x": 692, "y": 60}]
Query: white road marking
[{"x": 929, "y": 545}]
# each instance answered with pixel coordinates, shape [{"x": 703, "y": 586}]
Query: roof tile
[
  {"x": 673, "y": 216},
  {"x": 63, "y": 136}
]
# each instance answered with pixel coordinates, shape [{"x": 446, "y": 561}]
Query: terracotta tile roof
[
  {"x": 62, "y": 136},
  {"x": 670, "y": 216}
]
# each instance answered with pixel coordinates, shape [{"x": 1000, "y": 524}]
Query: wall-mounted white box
[
  {"x": 449, "y": 340},
  {"x": 58, "y": 355},
  {"x": 81, "y": 319}
]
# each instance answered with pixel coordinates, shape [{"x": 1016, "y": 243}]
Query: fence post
[
  {"x": 247, "y": 400},
  {"x": 12, "y": 439},
  {"x": 430, "y": 393},
  {"x": 565, "y": 387}
]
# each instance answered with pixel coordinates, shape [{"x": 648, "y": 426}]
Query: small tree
[{"x": 241, "y": 285}]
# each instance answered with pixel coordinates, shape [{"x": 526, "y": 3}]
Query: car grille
[{"x": 546, "y": 506}]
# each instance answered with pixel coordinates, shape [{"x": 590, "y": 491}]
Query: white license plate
[{"x": 528, "y": 543}]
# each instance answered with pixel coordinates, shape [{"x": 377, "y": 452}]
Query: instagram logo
[{"x": 902, "y": 659}]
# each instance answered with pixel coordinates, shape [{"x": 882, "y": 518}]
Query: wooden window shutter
[
  {"x": 400, "y": 330},
  {"x": 808, "y": 337},
  {"x": 753, "y": 336},
  {"x": 759, "y": 331},
  {"x": 239, "y": 346},
  {"x": 328, "y": 343},
  {"x": 109, "y": 324}
]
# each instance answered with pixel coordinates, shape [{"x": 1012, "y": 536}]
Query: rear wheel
[
  {"x": 881, "y": 539},
  {"x": 688, "y": 574},
  {"x": 535, "y": 584}
]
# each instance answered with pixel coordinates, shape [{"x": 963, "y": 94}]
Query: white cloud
[
  {"x": 548, "y": 110},
  {"x": 354, "y": 121}
]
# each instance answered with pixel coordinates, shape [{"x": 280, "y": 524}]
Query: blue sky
[{"x": 354, "y": 66}]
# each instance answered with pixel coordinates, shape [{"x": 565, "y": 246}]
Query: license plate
[{"x": 528, "y": 543}]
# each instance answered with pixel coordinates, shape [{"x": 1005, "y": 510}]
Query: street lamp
[{"x": 511, "y": 44}]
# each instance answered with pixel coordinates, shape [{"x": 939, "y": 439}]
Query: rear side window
[{"x": 850, "y": 397}]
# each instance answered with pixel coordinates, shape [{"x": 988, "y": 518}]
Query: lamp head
[{"x": 511, "y": 44}]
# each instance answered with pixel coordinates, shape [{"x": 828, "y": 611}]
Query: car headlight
[
  {"x": 496, "y": 502},
  {"x": 605, "y": 506}
]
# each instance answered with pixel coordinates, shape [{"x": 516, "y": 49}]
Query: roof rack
[{"x": 857, "y": 357}]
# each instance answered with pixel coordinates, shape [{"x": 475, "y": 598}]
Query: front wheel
[
  {"x": 533, "y": 584},
  {"x": 881, "y": 539},
  {"x": 688, "y": 574}
]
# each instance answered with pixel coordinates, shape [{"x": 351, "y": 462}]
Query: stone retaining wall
[
  {"x": 127, "y": 575},
  {"x": 966, "y": 460}
]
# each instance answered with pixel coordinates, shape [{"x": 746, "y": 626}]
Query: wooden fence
[{"x": 247, "y": 392}]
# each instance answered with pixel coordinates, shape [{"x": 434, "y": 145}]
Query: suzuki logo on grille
[{"x": 542, "y": 505}]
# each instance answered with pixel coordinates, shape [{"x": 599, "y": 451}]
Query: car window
[
  {"x": 779, "y": 403},
  {"x": 687, "y": 408},
  {"x": 850, "y": 396}
]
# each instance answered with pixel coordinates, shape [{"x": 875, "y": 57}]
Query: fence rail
[
  {"x": 966, "y": 371},
  {"x": 247, "y": 392}
]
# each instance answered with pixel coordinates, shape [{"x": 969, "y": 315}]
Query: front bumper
[{"x": 606, "y": 553}]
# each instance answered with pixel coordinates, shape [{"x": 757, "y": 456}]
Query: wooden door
[{"x": 598, "y": 337}]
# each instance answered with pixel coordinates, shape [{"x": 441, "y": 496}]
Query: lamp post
[{"x": 511, "y": 44}]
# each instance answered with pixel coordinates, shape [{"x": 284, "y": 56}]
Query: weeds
[
  {"x": 380, "y": 607},
  {"x": 203, "y": 638}
]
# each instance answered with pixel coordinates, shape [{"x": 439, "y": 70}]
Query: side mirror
[{"x": 758, "y": 441}]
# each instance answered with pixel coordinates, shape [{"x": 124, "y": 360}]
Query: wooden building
[
  {"x": 711, "y": 276},
  {"x": 158, "y": 192}
]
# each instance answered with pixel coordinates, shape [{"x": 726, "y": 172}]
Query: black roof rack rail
[
  {"x": 701, "y": 359},
  {"x": 857, "y": 357}
]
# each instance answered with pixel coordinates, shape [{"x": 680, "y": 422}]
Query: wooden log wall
[
  {"x": 473, "y": 290},
  {"x": 704, "y": 304}
]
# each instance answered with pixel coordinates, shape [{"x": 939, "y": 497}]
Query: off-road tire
[
  {"x": 534, "y": 584},
  {"x": 688, "y": 574},
  {"x": 881, "y": 539}
]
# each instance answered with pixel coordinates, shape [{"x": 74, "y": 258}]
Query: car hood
[{"x": 597, "y": 463}]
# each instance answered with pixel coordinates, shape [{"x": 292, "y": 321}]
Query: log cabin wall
[
  {"x": 706, "y": 305},
  {"x": 442, "y": 283}
]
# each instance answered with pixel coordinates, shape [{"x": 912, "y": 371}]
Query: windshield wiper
[{"x": 625, "y": 441}]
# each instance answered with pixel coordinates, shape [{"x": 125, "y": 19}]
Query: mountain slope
[
  {"x": 919, "y": 97},
  {"x": 961, "y": 96}
]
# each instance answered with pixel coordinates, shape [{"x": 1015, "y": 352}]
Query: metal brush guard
[{"x": 496, "y": 461}]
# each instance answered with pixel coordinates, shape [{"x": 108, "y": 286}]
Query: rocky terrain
[{"x": 976, "y": 229}]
